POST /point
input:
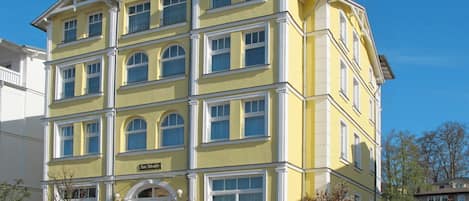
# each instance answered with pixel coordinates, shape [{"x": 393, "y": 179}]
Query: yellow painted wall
[
  {"x": 295, "y": 130},
  {"x": 295, "y": 185},
  {"x": 295, "y": 58}
]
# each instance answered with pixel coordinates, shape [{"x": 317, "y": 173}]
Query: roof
[
  {"x": 26, "y": 49},
  {"x": 444, "y": 191},
  {"x": 463, "y": 179},
  {"x": 386, "y": 68}
]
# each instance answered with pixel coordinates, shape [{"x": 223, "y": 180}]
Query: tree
[
  {"x": 63, "y": 188},
  {"x": 402, "y": 174},
  {"x": 339, "y": 193},
  {"x": 443, "y": 151},
  {"x": 13, "y": 192}
]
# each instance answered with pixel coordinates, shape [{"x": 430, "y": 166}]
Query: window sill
[
  {"x": 234, "y": 6},
  {"x": 153, "y": 82},
  {"x": 83, "y": 40},
  {"x": 152, "y": 30},
  {"x": 342, "y": 94},
  {"x": 356, "y": 110},
  {"x": 153, "y": 151},
  {"x": 238, "y": 70},
  {"x": 358, "y": 169},
  {"x": 371, "y": 122},
  {"x": 77, "y": 158},
  {"x": 343, "y": 45},
  {"x": 345, "y": 161},
  {"x": 76, "y": 98},
  {"x": 238, "y": 141}
]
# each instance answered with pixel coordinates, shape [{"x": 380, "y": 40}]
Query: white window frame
[
  {"x": 95, "y": 22},
  {"x": 343, "y": 28},
  {"x": 65, "y": 65},
  {"x": 62, "y": 138},
  {"x": 356, "y": 94},
  {"x": 357, "y": 152},
  {"x": 127, "y": 67},
  {"x": 208, "y": 178},
  {"x": 256, "y": 45},
  {"x": 216, "y": 119},
  {"x": 127, "y": 133},
  {"x": 64, "y": 30},
  {"x": 67, "y": 80},
  {"x": 128, "y": 15},
  {"x": 255, "y": 114},
  {"x": 245, "y": 28},
  {"x": 88, "y": 135},
  {"x": 62, "y": 123},
  {"x": 212, "y": 52},
  {"x": 356, "y": 48},
  {"x": 171, "y": 58},
  {"x": 93, "y": 75},
  {"x": 170, "y": 4},
  {"x": 161, "y": 128},
  {"x": 343, "y": 78},
  {"x": 343, "y": 141},
  {"x": 214, "y": 101},
  {"x": 58, "y": 188}
]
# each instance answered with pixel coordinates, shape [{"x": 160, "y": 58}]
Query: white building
[{"x": 21, "y": 109}]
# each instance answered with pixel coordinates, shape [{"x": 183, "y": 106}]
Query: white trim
[
  {"x": 110, "y": 142},
  {"x": 193, "y": 133},
  {"x": 113, "y": 12},
  {"x": 282, "y": 183},
  {"x": 194, "y": 68},
  {"x": 233, "y": 6},
  {"x": 195, "y": 14},
  {"x": 208, "y": 177},
  {"x": 282, "y": 54},
  {"x": 282, "y": 6},
  {"x": 282, "y": 124},
  {"x": 192, "y": 194},
  {"x": 133, "y": 192}
]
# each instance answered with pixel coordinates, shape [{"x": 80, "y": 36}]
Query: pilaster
[
  {"x": 282, "y": 123},
  {"x": 192, "y": 194},
  {"x": 282, "y": 185}
]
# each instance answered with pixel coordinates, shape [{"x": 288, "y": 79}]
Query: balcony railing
[{"x": 10, "y": 76}]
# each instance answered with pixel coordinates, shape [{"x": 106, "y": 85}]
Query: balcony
[{"x": 10, "y": 76}]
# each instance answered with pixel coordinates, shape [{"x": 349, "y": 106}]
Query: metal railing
[{"x": 10, "y": 76}]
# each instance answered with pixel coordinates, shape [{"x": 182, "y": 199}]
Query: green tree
[
  {"x": 13, "y": 192},
  {"x": 402, "y": 174},
  {"x": 339, "y": 193}
]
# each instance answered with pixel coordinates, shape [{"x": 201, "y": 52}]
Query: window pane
[
  {"x": 70, "y": 35},
  {"x": 147, "y": 193},
  {"x": 93, "y": 145},
  {"x": 68, "y": 148},
  {"x": 95, "y": 29},
  {"x": 69, "y": 89},
  {"x": 243, "y": 183},
  {"x": 172, "y": 137},
  {"x": 93, "y": 85},
  {"x": 174, "y": 14},
  {"x": 220, "y": 130},
  {"x": 174, "y": 67},
  {"x": 224, "y": 198},
  {"x": 137, "y": 74},
  {"x": 251, "y": 197},
  {"x": 137, "y": 141},
  {"x": 254, "y": 126},
  {"x": 255, "y": 56},
  {"x": 220, "y": 3},
  {"x": 139, "y": 22},
  {"x": 221, "y": 62},
  {"x": 230, "y": 184},
  {"x": 256, "y": 182},
  {"x": 218, "y": 185}
]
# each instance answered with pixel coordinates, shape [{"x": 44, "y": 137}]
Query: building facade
[
  {"x": 449, "y": 190},
  {"x": 21, "y": 109},
  {"x": 211, "y": 99}
]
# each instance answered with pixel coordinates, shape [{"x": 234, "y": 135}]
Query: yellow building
[{"x": 210, "y": 100}]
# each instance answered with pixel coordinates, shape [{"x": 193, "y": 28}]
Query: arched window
[
  {"x": 136, "y": 135},
  {"x": 137, "y": 68},
  {"x": 173, "y": 62},
  {"x": 172, "y": 130},
  {"x": 157, "y": 193}
]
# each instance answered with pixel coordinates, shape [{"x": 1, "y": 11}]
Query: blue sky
[{"x": 426, "y": 43}]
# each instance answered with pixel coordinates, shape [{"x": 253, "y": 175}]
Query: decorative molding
[
  {"x": 152, "y": 30},
  {"x": 234, "y": 6},
  {"x": 79, "y": 41}
]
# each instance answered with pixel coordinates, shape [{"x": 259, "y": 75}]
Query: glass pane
[
  {"x": 92, "y": 193},
  {"x": 93, "y": 145},
  {"x": 255, "y": 56},
  {"x": 139, "y": 22},
  {"x": 174, "y": 67},
  {"x": 221, "y": 62},
  {"x": 247, "y": 107},
  {"x": 95, "y": 29},
  {"x": 172, "y": 137},
  {"x": 250, "y": 197},
  {"x": 137, "y": 74},
  {"x": 218, "y": 185},
  {"x": 230, "y": 184},
  {"x": 243, "y": 183},
  {"x": 70, "y": 35},
  {"x": 224, "y": 198},
  {"x": 220, "y": 130},
  {"x": 93, "y": 85},
  {"x": 69, "y": 90},
  {"x": 68, "y": 147},
  {"x": 254, "y": 126},
  {"x": 256, "y": 182},
  {"x": 220, "y": 3},
  {"x": 137, "y": 141},
  {"x": 174, "y": 14},
  {"x": 147, "y": 193}
]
